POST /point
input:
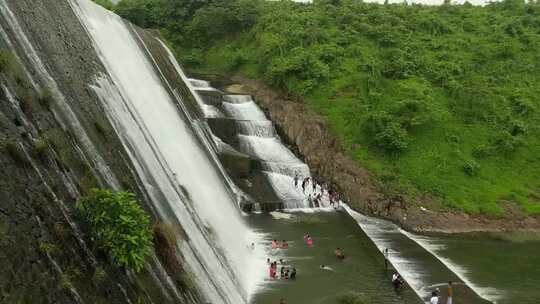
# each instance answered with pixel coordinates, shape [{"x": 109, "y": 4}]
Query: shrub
[
  {"x": 40, "y": 147},
  {"x": 165, "y": 244},
  {"x": 118, "y": 226},
  {"x": 482, "y": 151},
  {"x": 192, "y": 58},
  {"x": 392, "y": 138},
  {"x": 386, "y": 132},
  {"x": 6, "y": 61},
  {"x": 105, "y": 3},
  {"x": 45, "y": 98},
  {"x": 506, "y": 143},
  {"x": 100, "y": 127},
  {"x": 99, "y": 275},
  {"x": 16, "y": 153},
  {"x": 47, "y": 248},
  {"x": 471, "y": 168}
]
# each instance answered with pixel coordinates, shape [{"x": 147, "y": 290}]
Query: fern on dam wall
[{"x": 118, "y": 226}]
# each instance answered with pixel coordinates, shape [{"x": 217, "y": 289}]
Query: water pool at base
[
  {"x": 507, "y": 271},
  {"x": 361, "y": 272}
]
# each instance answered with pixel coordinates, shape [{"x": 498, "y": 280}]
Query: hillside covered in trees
[{"x": 432, "y": 99}]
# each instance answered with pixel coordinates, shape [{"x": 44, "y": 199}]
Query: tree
[{"x": 118, "y": 226}]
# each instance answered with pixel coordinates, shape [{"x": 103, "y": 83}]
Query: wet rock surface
[{"x": 44, "y": 167}]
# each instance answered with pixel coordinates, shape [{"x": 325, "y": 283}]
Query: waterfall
[
  {"x": 259, "y": 140},
  {"x": 199, "y": 83},
  {"x": 172, "y": 159}
]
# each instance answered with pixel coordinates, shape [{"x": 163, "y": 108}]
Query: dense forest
[{"x": 432, "y": 99}]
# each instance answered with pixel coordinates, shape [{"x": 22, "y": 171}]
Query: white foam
[
  {"x": 244, "y": 111},
  {"x": 197, "y": 83}
]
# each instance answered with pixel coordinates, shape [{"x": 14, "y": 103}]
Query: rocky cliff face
[
  {"x": 56, "y": 144},
  {"x": 311, "y": 139}
]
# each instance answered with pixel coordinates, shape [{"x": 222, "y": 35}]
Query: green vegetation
[
  {"x": 118, "y": 226},
  {"x": 40, "y": 147},
  {"x": 6, "y": 61},
  {"x": 45, "y": 98},
  {"x": 47, "y": 248},
  {"x": 99, "y": 275},
  {"x": 105, "y": 3},
  {"x": 435, "y": 99},
  {"x": 14, "y": 150}
]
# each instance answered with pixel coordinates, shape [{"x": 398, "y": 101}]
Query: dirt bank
[{"x": 308, "y": 135}]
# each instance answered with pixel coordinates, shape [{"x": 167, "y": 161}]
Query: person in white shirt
[{"x": 434, "y": 299}]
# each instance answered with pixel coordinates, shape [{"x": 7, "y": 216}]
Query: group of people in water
[
  {"x": 285, "y": 271},
  {"x": 315, "y": 198}
]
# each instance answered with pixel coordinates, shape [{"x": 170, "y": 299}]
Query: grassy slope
[{"x": 488, "y": 57}]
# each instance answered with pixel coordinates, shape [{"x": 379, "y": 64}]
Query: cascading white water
[
  {"x": 182, "y": 180},
  {"x": 261, "y": 128},
  {"x": 199, "y": 83},
  {"x": 259, "y": 140},
  {"x": 242, "y": 109}
]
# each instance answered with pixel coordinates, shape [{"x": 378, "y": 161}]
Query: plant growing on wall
[{"x": 118, "y": 226}]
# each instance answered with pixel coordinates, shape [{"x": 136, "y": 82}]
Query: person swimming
[
  {"x": 284, "y": 244},
  {"x": 275, "y": 244},
  {"x": 272, "y": 271},
  {"x": 308, "y": 240},
  {"x": 293, "y": 274},
  {"x": 339, "y": 254},
  {"x": 324, "y": 267}
]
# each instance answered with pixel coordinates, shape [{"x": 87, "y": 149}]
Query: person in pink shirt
[{"x": 309, "y": 240}]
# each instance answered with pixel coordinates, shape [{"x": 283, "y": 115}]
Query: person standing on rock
[
  {"x": 314, "y": 184},
  {"x": 296, "y": 180},
  {"x": 450, "y": 293}
]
